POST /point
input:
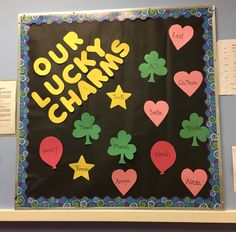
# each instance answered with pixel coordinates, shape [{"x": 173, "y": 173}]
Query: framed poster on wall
[{"x": 118, "y": 109}]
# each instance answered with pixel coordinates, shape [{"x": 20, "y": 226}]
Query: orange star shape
[
  {"x": 81, "y": 168},
  {"x": 118, "y": 98}
]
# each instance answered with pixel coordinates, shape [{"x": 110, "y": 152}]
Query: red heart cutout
[
  {"x": 189, "y": 83},
  {"x": 124, "y": 180},
  {"x": 194, "y": 181},
  {"x": 180, "y": 35}
]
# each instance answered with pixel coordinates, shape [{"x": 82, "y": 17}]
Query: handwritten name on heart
[
  {"x": 156, "y": 111},
  {"x": 188, "y": 82},
  {"x": 194, "y": 181},
  {"x": 124, "y": 180},
  {"x": 180, "y": 35}
]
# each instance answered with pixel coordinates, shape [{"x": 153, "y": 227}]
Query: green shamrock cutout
[
  {"x": 193, "y": 128},
  {"x": 120, "y": 146},
  {"x": 86, "y": 128},
  {"x": 153, "y": 65}
]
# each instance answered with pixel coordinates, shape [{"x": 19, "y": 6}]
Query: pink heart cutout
[
  {"x": 156, "y": 111},
  {"x": 189, "y": 83},
  {"x": 180, "y": 35},
  {"x": 124, "y": 180},
  {"x": 194, "y": 181}
]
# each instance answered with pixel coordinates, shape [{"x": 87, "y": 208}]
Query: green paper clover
[
  {"x": 153, "y": 65},
  {"x": 120, "y": 146},
  {"x": 86, "y": 128},
  {"x": 193, "y": 128}
]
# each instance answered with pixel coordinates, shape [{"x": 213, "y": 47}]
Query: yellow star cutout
[
  {"x": 81, "y": 168},
  {"x": 118, "y": 98}
]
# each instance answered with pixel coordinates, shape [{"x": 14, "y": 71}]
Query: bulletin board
[{"x": 118, "y": 109}]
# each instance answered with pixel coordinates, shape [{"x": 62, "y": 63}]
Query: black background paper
[{"x": 142, "y": 37}]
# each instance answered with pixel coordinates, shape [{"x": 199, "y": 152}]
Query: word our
[{"x": 95, "y": 77}]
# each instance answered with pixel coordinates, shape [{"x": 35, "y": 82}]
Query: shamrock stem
[
  {"x": 87, "y": 141},
  {"x": 195, "y": 144},
  {"x": 122, "y": 160},
  {"x": 151, "y": 79}
]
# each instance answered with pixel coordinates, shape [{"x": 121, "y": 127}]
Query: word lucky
[{"x": 42, "y": 67}]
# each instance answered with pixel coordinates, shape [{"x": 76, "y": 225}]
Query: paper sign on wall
[
  {"x": 7, "y": 107},
  {"x": 227, "y": 66}
]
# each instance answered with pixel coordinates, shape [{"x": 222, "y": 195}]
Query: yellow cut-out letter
[
  {"x": 72, "y": 39},
  {"x": 122, "y": 48},
  {"x": 60, "y": 85},
  {"x": 41, "y": 102},
  {"x": 110, "y": 64},
  {"x": 85, "y": 89},
  {"x": 53, "y": 117},
  {"x": 69, "y": 79},
  {"x": 96, "y": 48},
  {"x": 42, "y": 71},
  {"x": 64, "y": 54},
  {"x": 96, "y": 77},
  {"x": 81, "y": 63},
  {"x": 73, "y": 99}
]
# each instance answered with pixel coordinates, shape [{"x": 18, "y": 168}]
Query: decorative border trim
[{"x": 213, "y": 201}]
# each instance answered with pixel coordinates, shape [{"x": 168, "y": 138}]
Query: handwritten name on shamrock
[{"x": 94, "y": 77}]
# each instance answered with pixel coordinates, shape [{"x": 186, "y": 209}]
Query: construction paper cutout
[
  {"x": 189, "y": 83},
  {"x": 86, "y": 128},
  {"x": 81, "y": 168},
  {"x": 180, "y": 35},
  {"x": 96, "y": 77},
  {"x": 194, "y": 181},
  {"x": 52, "y": 115},
  {"x": 59, "y": 85},
  {"x": 193, "y": 128},
  {"x": 42, "y": 66},
  {"x": 50, "y": 151},
  {"x": 96, "y": 47},
  {"x": 153, "y": 65},
  {"x": 124, "y": 180},
  {"x": 85, "y": 90},
  {"x": 70, "y": 79},
  {"x": 69, "y": 103},
  {"x": 163, "y": 155},
  {"x": 156, "y": 111},
  {"x": 83, "y": 62},
  {"x": 122, "y": 48},
  {"x": 62, "y": 58},
  {"x": 41, "y": 102},
  {"x": 110, "y": 64},
  {"x": 120, "y": 146},
  {"x": 118, "y": 98},
  {"x": 72, "y": 39}
]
